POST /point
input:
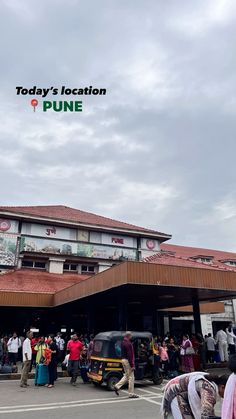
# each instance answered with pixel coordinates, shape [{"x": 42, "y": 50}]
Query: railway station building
[{"x": 66, "y": 269}]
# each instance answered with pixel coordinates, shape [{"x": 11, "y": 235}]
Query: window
[
  {"x": 40, "y": 265},
  {"x": 88, "y": 269},
  {"x": 33, "y": 264},
  {"x": 70, "y": 267},
  {"x": 27, "y": 263},
  {"x": 230, "y": 262},
  {"x": 205, "y": 260},
  {"x": 98, "y": 344}
]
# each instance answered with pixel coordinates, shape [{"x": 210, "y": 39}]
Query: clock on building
[{"x": 83, "y": 235}]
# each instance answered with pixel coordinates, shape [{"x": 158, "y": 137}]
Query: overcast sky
[{"x": 159, "y": 149}]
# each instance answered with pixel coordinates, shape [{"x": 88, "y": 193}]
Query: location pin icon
[{"x": 34, "y": 103}]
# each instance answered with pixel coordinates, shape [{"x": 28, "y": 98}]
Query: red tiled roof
[
  {"x": 61, "y": 212},
  {"x": 170, "y": 259},
  {"x": 185, "y": 254},
  {"x": 29, "y": 280}
]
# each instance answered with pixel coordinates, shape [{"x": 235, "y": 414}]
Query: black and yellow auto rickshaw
[{"x": 106, "y": 366}]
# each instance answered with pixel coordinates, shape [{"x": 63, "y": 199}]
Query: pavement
[{"x": 84, "y": 400}]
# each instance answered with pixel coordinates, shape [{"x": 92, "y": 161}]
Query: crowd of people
[
  {"x": 193, "y": 353},
  {"x": 190, "y": 395},
  {"x": 171, "y": 354},
  {"x": 72, "y": 354},
  {"x": 190, "y": 389}
]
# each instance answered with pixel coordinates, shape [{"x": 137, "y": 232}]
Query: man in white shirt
[
  {"x": 61, "y": 347},
  {"x": 210, "y": 342},
  {"x": 231, "y": 339},
  {"x": 221, "y": 339},
  {"x": 13, "y": 345},
  {"x": 27, "y": 357}
]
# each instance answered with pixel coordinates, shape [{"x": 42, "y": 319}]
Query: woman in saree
[
  {"x": 40, "y": 349},
  {"x": 186, "y": 354}
]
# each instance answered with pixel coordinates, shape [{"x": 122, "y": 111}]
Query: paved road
[{"x": 85, "y": 401}]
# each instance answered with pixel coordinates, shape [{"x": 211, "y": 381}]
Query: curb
[{"x": 17, "y": 376}]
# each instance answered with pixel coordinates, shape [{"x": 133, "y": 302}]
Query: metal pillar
[
  {"x": 196, "y": 314},
  {"x": 90, "y": 320},
  {"x": 122, "y": 316}
]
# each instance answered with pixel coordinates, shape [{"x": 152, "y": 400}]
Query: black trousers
[
  {"x": 210, "y": 356},
  {"x": 13, "y": 358},
  {"x": 231, "y": 349},
  {"x": 73, "y": 370},
  {"x": 52, "y": 372}
]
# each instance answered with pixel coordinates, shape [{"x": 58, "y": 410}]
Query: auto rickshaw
[{"x": 106, "y": 366}]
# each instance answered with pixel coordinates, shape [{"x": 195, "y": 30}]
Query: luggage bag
[
  {"x": 41, "y": 375},
  {"x": 6, "y": 369}
]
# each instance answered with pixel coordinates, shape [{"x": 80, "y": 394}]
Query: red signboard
[
  {"x": 117, "y": 240},
  {"x": 151, "y": 244},
  {"x": 5, "y": 225}
]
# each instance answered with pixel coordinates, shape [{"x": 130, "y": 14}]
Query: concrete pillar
[
  {"x": 234, "y": 308},
  {"x": 103, "y": 266},
  {"x": 19, "y": 263},
  {"x": 56, "y": 265},
  {"x": 166, "y": 324},
  {"x": 206, "y": 324}
]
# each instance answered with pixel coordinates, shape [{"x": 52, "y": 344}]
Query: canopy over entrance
[
  {"x": 132, "y": 294},
  {"x": 168, "y": 286}
]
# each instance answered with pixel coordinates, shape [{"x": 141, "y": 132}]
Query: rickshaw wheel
[{"x": 112, "y": 381}]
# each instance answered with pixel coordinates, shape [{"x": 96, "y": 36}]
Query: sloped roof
[
  {"x": 163, "y": 258},
  {"x": 30, "y": 280},
  {"x": 64, "y": 213},
  {"x": 185, "y": 253}
]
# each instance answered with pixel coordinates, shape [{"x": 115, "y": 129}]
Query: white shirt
[
  {"x": 13, "y": 345},
  {"x": 60, "y": 343},
  {"x": 66, "y": 360},
  {"x": 210, "y": 343},
  {"x": 230, "y": 337},
  {"x": 221, "y": 337},
  {"x": 26, "y": 349}
]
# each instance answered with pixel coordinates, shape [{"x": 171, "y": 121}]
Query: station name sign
[{"x": 58, "y": 105}]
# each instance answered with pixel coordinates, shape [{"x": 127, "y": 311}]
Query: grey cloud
[{"x": 159, "y": 149}]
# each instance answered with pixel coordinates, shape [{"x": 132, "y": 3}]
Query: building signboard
[
  {"x": 59, "y": 247},
  {"x": 83, "y": 235},
  {"x": 8, "y": 226},
  {"x": 49, "y": 231},
  {"x": 8, "y": 249},
  {"x": 119, "y": 240},
  {"x": 150, "y": 244},
  {"x": 106, "y": 252}
]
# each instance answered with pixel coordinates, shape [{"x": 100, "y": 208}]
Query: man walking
[
  {"x": 127, "y": 354},
  {"x": 221, "y": 339},
  {"x": 74, "y": 348},
  {"x": 27, "y": 357}
]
